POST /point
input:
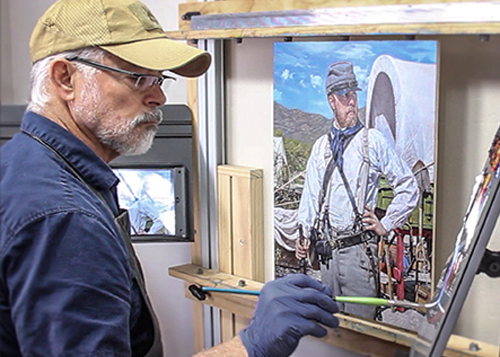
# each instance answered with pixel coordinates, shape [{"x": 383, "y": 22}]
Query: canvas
[
  {"x": 354, "y": 144},
  {"x": 464, "y": 261}
]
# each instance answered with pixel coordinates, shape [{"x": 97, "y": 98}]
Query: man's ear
[
  {"x": 331, "y": 101},
  {"x": 62, "y": 76}
]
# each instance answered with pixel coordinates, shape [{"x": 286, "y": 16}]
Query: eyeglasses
[{"x": 142, "y": 82}]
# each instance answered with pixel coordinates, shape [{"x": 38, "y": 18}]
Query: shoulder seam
[{"x": 40, "y": 215}]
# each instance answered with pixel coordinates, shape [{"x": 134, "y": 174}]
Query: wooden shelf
[
  {"x": 395, "y": 17},
  {"x": 365, "y": 30},
  {"x": 354, "y": 334}
]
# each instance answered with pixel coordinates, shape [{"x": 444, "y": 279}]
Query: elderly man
[
  {"x": 70, "y": 283},
  {"x": 340, "y": 192}
]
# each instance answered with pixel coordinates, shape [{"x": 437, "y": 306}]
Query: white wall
[
  {"x": 16, "y": 26},
  {"x": 18, "y": 17},
  {"x": 468, "y": 117}
]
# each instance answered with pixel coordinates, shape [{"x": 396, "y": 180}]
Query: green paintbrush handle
[{"x": 362, "y": 300}]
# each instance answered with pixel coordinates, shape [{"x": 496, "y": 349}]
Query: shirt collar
[{"x": 89, "y": 165}]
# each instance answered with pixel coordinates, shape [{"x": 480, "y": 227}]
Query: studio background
[{"x": 468, "y": 118}]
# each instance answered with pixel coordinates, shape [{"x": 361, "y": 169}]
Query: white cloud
[
  {"x": 286, "y": 58},
  {"x": 300, "y": 65},
  {"x": 361, "y": 75},
  {"x": 421, "y": 57},
  {"x": 302, "y": 84},
  {"x": 351, "y": 51},
  {"x": 285, "y": 74},
  {"x": 316, "y": 80}
]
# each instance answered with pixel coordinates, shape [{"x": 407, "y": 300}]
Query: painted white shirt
[{"x": 383, "y": 160}]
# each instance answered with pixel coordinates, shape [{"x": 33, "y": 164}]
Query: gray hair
[{"x": 39, "y": 77}]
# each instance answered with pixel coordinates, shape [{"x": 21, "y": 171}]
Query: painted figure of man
[{"x": 336, "y": 210}]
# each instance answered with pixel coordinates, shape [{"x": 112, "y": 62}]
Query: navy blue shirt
[{"x": 66, "y": 287}]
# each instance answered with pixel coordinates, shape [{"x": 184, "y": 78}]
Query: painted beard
[
  {"x": 124, "y": 137},
  {"x": 347, "y": 119}
]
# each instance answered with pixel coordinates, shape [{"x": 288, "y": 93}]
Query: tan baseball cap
[{"x": 125, "y": 28}]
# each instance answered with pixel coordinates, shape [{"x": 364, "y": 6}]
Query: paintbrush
[{"x": 200, "y": 293}]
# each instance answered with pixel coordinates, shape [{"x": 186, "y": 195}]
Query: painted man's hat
[{"x": 341, "y": 78}]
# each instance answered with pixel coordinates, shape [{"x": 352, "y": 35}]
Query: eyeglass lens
[{"x": 144, "y": 82}]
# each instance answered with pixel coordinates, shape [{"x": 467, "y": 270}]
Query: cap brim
[
  {"x": 346, "y": 90},
  {"x": 163, "y": 54}
]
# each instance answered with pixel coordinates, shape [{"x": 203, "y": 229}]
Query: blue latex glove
[{"x": 288, "y": 308}]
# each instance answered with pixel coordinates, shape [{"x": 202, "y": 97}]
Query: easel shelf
[{"x": 354, "y": 334}]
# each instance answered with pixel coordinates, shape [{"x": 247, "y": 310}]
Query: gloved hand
[{"x": 288, "y": 308}]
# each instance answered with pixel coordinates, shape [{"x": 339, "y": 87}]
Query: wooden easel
[{"x": 410, "y": 29}]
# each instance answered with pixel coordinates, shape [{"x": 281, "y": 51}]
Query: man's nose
[
  {"x": 155, "y": 97},
  {"x": 351, "y": 96}
]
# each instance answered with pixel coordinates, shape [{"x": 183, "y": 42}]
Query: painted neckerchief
[{"x": 340, "y": 138}]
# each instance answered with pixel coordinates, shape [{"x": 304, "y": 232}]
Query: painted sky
[{"x": 300, "y": 68}]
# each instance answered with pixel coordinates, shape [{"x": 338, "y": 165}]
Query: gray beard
[{"x": 124, "y": 141}]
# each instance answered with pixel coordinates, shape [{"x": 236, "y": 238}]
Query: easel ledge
[{"x": 354, "y": 334}]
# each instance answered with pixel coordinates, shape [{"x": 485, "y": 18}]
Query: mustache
[{"x": 155, "y": 115}]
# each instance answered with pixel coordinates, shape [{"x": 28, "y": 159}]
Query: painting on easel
[{"x": 354, "y": 164}]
